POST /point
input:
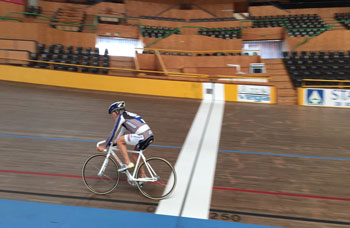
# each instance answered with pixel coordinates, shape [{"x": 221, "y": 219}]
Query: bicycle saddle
[{"x": 144, "y": 144}]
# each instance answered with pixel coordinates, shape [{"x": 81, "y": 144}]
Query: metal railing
[{"x": 339, "y": 82}]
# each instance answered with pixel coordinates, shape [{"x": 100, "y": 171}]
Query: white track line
[
  {"x": 198, "y": 199},
  {"x": 184, "y": 163},
  {"x": 196, "y": 163}
]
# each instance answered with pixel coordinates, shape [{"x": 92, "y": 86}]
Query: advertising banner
[
  {"x": 255, "y": 94},
  {"x": 326, "y": 97}
]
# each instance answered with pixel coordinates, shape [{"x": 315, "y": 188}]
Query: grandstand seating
[
  {"x": 80, "y": 56},
  {"x": 224, "y": 33},
  {"x": 156, "y": 32},
  {"x": 163, "y": 18},
  {"x": 344, "y": 18},
  {"x": 331, "y": 65},
  {"x": 296, "y": 25}
]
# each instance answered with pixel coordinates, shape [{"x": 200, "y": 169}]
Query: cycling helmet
[{"x": 116, "y": 106}]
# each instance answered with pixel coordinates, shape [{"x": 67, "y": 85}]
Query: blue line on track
[
  {"x": 47, "y": 138},
  {"x": 178, "y": 147},
  {"x": 284, "y": 155}
]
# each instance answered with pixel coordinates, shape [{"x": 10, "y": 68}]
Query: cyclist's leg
[
  {"x": 134, "y": 140},
  {"x": 142, "y": 170},
  {"x": 121, "y": 142}
]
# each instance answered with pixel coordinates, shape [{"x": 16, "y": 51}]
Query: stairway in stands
[
  {"x": 286, "y": 93},
  {"x": 89, "y": 19},
  {"x": 122, "y": 62},
  {"x": 332, "y": 21}
]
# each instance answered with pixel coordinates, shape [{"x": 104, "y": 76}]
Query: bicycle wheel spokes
[
  {"x": 159, "y": 178},
  {"x": 107, "y": 181}
]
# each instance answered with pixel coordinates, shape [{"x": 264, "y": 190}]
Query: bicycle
[{"x": 100, "y": 173}]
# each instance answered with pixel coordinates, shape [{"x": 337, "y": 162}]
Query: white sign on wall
[
  {"x": 327, "y": 97},
  {"x": 256, "y": 94}
]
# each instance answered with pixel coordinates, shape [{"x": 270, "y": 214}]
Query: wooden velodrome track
[{"x": 285, "y": 166}]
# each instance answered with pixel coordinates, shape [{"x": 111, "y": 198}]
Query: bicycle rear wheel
[
  {"x": 107, "y": 181},
  {"x": 166, "y": 178}
]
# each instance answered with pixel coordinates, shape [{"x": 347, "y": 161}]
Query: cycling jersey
[{"x": 128, "y": 121}]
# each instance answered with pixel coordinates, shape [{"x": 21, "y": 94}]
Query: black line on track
[
  {"x": 155, "y": 204},
  {"x": 281, "y": 217},
  {"x": 78, "y": 197}
]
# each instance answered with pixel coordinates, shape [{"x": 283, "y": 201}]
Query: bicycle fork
[{"x": 104, "y": 165}]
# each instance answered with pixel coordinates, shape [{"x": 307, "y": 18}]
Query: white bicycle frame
[{"x": 131, "y": 177}]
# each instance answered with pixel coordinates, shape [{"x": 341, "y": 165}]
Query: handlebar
[{"x": 100, "y": 142}]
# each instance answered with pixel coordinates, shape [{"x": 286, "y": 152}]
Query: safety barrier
[
  {"x": 171, "y": 75},
  {"x": 182, "y": 87}
]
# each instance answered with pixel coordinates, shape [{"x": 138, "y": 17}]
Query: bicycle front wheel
[
  {"x": 106, "y": 181},
  {"x": 165, "y": 176}
]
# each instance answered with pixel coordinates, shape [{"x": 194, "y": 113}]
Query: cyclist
[{"x": 127, "y": 121}]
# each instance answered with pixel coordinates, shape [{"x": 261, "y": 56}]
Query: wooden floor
[{"x": 276, "y": 164}]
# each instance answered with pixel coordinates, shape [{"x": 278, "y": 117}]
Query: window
[
  {"x": 269, "y": 49},
  {"x": 118, "y": 46}
]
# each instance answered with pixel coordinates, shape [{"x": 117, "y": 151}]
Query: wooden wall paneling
[
  {"x": 323, "y": 12},
  {"x": 54, "y": 6},
  {"x": 276, "y": 33},
  {"x": 266, "y": 11},
  {"x": 7, "y": 44},
  {"x": 118, "y": 31},
  {"x": 147, "y": 61},
  {"x": 6, "y": 7},
  {"x": 18, "y": 55},
  {"x": 173, "y": 24},
  {"x": 105, "y": 7},
  {"x": 26, "y": 31},
  {"x": 329, "y": 40},
  {"x": 195, "y": 43},
  {"x": 189, "y": 31},
  {"x": 13, "y": 55},
  {"x": 26, "y": 45},
  {"x": 3, "y": 54},
  {"x": 187, "y": 14},
  {"x": 139, "y": 8},
  {"x": 216, "y": 70},
  {"x": 272, "y": 11},
  {"x": 177, "y": 62},
  {"x": 220, "y": 10},
  {"x": 44, "y": 34}
]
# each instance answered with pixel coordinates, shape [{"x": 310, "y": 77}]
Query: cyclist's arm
[
  {"x": 122, "y": 131},
  {"x": 118, "y": 123}
]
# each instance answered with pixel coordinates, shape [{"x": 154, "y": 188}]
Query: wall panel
[
  {"x": 276, "y": 33},
  {"x": 44, "y": 34},
  {"x": 195, "y": 43},
  {"x": 123, "y": 31},
  {"x": 330, "y": 40}
]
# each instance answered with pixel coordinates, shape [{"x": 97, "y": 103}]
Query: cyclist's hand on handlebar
[{"x": 100, "y": 148}]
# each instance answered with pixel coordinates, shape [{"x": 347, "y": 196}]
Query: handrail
[
  {"x": 9, "y": 19},
  {"x": 341, "y": 83},
  {"x": 184, "y": 51},
  {"x": 111, "y": 68},
  {"x": 186, "y": 75},
  {"x": 244, "y": 77}
]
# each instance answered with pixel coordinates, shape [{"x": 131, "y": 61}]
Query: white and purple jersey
[{"x": 128, "y": 121}]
